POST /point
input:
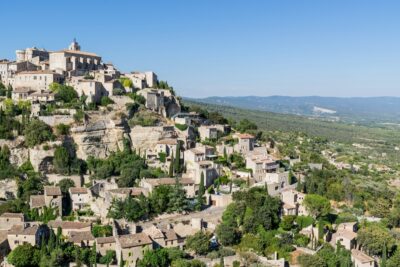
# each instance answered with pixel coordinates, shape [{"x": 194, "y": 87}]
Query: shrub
[
  {"x": 181, "y": 127},
  {"x": 105, "y": 101},
  {"x": 37, "y": 132}
]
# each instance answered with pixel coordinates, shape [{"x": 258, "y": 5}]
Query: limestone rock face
[
  {"x": 18, "y": 153},
  {"x": 144, "y": 138},
  {"x": 98, "y": 139},
  {"x": 8, "y": 189},
  {"x": 41, "y": 158}
]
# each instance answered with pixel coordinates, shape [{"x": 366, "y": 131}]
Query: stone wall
[{"x": 57, "y": 119}]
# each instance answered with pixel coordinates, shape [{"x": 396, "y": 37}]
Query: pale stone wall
[
  {"x": 36, "y": 80},
  {"x": 57, "y": 119},
  {"x": 56, "y": 178}
]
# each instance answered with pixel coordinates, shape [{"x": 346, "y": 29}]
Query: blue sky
[{"x": 226, "y": 47}]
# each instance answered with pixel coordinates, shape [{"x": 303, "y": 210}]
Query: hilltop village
[{"x": 104, "y": 168}]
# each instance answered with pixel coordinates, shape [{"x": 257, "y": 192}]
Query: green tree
[
  {"x": 171, "y": 167},
  {"x": 61, "y": 160},
  {"x": 178, "y": 201},
  {"x": 177, "y": 162},
  {"x": 200, "y": 193},
  {"x": 108, "y": 258},
  {"x": 374, "y": 237},
  {"x": 199, "y": 243},
  {"x": 65, "y": 184},
  {"x": 62, "y": 129},
  {"x": 37, "y": 132},
  {"x": 9, "y": 91},
  {"x": 287, "y": 222},
  {"x": 24, "y": 256},
  {"x": 394, "y": 260},
  {"x": 317, "y": 205},
  {"x": 93, "y": 255}
]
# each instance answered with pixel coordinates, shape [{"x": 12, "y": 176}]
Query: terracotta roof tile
[
  {"x": 134, "y": 240},
  {"x": 52, "y": 191}
]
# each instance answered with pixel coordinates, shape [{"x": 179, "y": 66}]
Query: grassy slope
[{"x": 334, "y": 131}]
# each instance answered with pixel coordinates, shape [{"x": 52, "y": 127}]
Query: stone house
[
  {"x": 151, "y": 183},
  {"x": 142, "y": 80},
  {"x": 42, "y": 97},
  {"x": 52, "y": 198},
  {"x": 104, "y": 244},
  {"x": 132, "y": 247},
  {"x": 80, "y": 197},
  {"x": 8, "y": 70},
  {"x": 218, "y": 200},
  {"x": 360, "y": 259},
  {"x": 8, "y": 220},
  {"x": 167, "y": 146},
  {"x": 36, "y": 80},
  {"x": 122, "y": 193},
  {"x": 292, "y": 203},
  {"x": 245, "y": 143},
  {"x": 277, "y": 182},
  {"x": 207, "y": 168},
  {"x": 90, "y": 88},
  {"x": 208, "y": 132},
  {"x": 81, "y": 239},
  {"x": 346, "y": 235},
  {"x": 21, "y": 93},
  {"x": 19, "y": 235},
  {"x": 68, "y": 227},
  {"x": 164, "y": 236},
  {"x": 261, "y": 165}
]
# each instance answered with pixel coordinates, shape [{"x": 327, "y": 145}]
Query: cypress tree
[
  {"x": 384, "y": 256},
  {"x": 200, "y": 193},
  {"x": 52, "y": 241},
  {"x": 171, "y": 167},
  {"x": 93, "y": 259},
  {"x": 9, "y": 91},
  {"x": 58, "y": 237},
  {"x": 178, "y": 158},
  {"x": 121, "y": 262}
]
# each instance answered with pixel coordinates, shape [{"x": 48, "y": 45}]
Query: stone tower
[{"x": 74, "y": 46}]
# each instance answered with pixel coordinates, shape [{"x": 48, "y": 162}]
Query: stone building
[
  {"x": 293, "y": 203},
  {"x": 151, "y": 183},
  {"x": 82, "y": 238},
  {"x": 36, "y": 80},
  {"x": 80, "y": 197},
  {"x": 68, "y": 227},
  {"x": 52, "y": 198},
  {"x": 103, "y": 244},
  {"x": 360, "y": 259},
  {"x": 33, "y": 55},
  {"x": 8, "y": 70},
  {"x": 245, "y": 143},
  {"x": 73, "y": 61},
  {"x": 19, "y": 235},
  {"x": 132, "y": 247},
  {"x": 8, "y": 220},
  {"x": 142, "y": 80},
  {"x": 208, "y": 132}
]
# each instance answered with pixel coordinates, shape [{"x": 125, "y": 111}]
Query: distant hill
[
  {"x": 353, "y": 110},
  {"x": 385, "y": 135}
]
